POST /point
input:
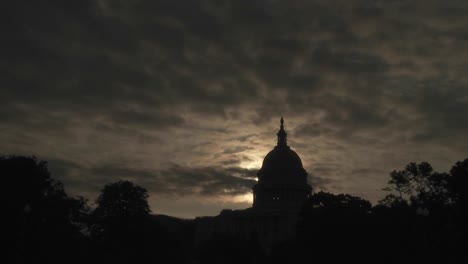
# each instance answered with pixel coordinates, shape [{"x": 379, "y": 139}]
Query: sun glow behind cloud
[
  {"x": 254, "y": 159},
  {"x": 243, "y": 198},
  {"x": 254, "y": 162}
]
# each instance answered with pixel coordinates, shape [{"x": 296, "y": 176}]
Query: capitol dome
[
  {"x": 282, "y": 181},
  {"x": 284, "y": 165}
]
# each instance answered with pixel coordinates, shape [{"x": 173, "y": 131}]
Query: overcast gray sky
[{"x": 184, "y": 97}]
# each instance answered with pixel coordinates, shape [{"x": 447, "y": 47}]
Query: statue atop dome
[{"x": 282, "y": 134}]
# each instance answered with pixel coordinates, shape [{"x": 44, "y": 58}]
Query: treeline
[
  {"x": 423, "y": 219},
  {"x": 45, "y": 225}
]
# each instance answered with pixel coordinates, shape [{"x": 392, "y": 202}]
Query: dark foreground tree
[
  {"x": 42, "y": 223},
  {"x": 122, "y": 211},
  {"x": 123, "y": 230},
  {"x": 459, "y": 186},
  {"x": 332, "y": 223},
  {"x": 420, "y": 187},
  {"x": 426, "y": 213},
  {"x": 122, "y": 200}
]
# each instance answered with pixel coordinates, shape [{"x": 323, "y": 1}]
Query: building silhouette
[
  {"x": 279, "y": 195},
  {"x": 282, "y": 181}
]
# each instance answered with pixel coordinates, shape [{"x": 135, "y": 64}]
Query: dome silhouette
[
  {"x": 282, "y": 180},
  {"x": 282, "y": 164}
]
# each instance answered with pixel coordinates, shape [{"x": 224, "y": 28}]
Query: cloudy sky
[{"x": 184, "y": 97}]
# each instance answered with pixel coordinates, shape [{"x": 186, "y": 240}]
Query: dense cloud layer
[{"x": 184, "y": 97}]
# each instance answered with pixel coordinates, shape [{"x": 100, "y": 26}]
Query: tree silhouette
[
  {"x": 419, "y": 186},
  {"x": 123, "y": 199},
  {"x": 427, "y": 213},
  {"x": 331, "y": 223},
  {"x": 329, "y": 201},
  {"x": 40, "y": 216},
  {"x": 121, "y": 227},
  {"x": 459, "y": 183},
  {"x": 121, "y": 207},
  {"x": 459, "y": 187}
]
